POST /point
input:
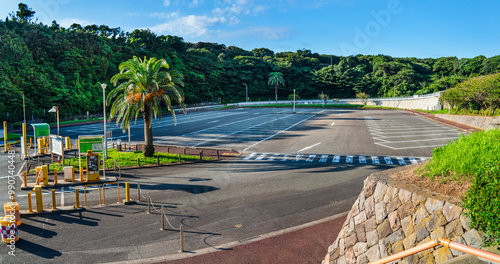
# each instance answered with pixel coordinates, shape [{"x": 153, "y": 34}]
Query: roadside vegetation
[
  {"x": 128, "y": 159},
  {"x": 474, "y": 158},
  {"x": 479, "y": 96}
]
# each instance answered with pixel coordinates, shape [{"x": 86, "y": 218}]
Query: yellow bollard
[
  {"x": 38, "y": 198},
  {"x": 127, "y": 192},
  {"x": 45, "y": 173},
  {"x": 77, "y": 198},
  {"x": 54, "y": 207},
  {"x": 81, "y": 174},
  {"x": 13, "y": 198},
  {"x": 9, "y": 147},
  {"x": 31, "y": 142},
  {"x": 55, "y": 176},
  {"x": 25, "y": 179},
  {"x": 5, "y": 136},
  {"x": 30, "y": 203}
]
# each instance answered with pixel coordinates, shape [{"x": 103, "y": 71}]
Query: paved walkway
[
  {"x": 307, "y": 245},
  {"x": 459, "y": 126}
]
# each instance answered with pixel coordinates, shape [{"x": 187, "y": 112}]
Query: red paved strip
[
  {"x": 307, "y": 245},
  {"x": 459, "y": 126}
]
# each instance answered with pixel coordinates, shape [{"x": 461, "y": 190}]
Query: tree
[
  {"x": 25, "y": 14},
  {"x": 276, "y": 78},
  {"x": 363, "y": 96},
  {"x": 142, "y": 84}
]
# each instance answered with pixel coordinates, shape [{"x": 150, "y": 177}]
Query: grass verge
[
  {"x": 128, "y": 159},
  {"x": 461, "y": 159}
]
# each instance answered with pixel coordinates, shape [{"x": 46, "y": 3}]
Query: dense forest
[{"x": 53, "y": 65}]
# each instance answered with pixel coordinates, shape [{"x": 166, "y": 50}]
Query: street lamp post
[
  {"x": 24, "y": 109},
  {"x": 55, "y": 109},
  {"x": 246, "y": 89},
  {"x": 104, "y": 110},
  {"x": 294, "y": 101},
  {"x": 394, "y": 96}
]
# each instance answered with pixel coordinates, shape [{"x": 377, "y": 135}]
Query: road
[{"x": 328, "y": 154}]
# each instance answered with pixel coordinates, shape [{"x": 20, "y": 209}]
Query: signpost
[
  {"x": 40, "y": 130},
  {"x": 57, "y": 146}
]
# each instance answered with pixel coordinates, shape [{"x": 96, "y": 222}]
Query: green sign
[
  {"x": 94, "y": 143},
  {"x": 41, "y": 129}
]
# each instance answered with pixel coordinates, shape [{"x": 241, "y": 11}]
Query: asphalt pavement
[{"x": 238, "y": 199}]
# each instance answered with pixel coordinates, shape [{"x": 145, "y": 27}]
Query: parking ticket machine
[{"x": 92, "y": 166}]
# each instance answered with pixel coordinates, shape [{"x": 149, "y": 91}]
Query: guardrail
[
  {"x": 104, "y": 191},
  {"x": 85, "y": 192},
  {"x": 443, "y": 242}
]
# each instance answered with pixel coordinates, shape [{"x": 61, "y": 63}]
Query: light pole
[
  {"x": 55, "y": 109},
  {"x": 294, "y": 101},
  {"x": 104, "y": 110},
  {"x": 24, "y": 109},
  {"x": 246, "y": 88},
  {"x": 394, "y": 96}
]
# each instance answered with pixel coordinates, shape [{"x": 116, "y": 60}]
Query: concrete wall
[
  {"x": 481, "y": 122},
  {"x": 389, "y": 217}
]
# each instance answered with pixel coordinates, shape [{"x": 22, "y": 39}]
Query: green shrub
[
  {"x": 16, "y": 125},
  {"x": 482, "y": 202}
]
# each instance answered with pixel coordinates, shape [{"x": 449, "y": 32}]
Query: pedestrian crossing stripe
[{"x": 334, "y": 158}]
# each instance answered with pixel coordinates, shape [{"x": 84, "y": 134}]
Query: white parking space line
[
  {"x": 215, "y": 121},
  {"x": 298, "y": 157},
  {"x": 310, "y": 147},
  {"x": 333, "y": 123},
  {"x": 253, "y": 145},
  {"x": 375, "y": 160}
]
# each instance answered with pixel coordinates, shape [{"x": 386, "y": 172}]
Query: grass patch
[
  {"x": 461, "y": 159},
  {"x": 128, "y": 159},
  {"x": 74, "y": 121},
  {"x": 13, "y": 136}
]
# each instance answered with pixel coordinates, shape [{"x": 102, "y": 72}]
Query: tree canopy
[{"x": 53, "y": 65}]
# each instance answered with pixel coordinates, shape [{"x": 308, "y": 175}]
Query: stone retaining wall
[
  {"x": 389, "y": 217},
  {"x": 481, "y": 122}
]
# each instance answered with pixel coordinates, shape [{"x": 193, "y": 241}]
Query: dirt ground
[{"x": 438, "y": 184}]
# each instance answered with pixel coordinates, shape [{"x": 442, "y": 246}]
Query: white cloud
[
  {"x": 67, "y": 22},
  {"x": 191, "y": 25},
  {"x": 166, "y": 3},
  {"x": 163, "y": 15}
]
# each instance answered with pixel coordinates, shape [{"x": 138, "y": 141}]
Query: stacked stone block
[{"x": 389, "y": 217}]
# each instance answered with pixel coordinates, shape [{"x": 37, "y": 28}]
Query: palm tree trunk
[
  {"x": 148, "y": 149},
  {"x": 276, "y": 92}
]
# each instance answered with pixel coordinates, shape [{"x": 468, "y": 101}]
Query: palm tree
[
  {"x": 142, "y": 84},
  {"x": 276, "y": 78}
]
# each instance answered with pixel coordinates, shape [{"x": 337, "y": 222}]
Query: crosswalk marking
[
  {"x": 261, "y": 156},
  {"x": 311, "y": 158},
  {"x": 273, "y": 157},
  {"x": 250, "y": 156}
]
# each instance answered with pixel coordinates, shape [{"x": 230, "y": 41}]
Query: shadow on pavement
[{"x": 37, "y": 249}]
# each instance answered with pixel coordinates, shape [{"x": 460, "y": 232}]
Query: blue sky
[{"x": 399, "y": 28}]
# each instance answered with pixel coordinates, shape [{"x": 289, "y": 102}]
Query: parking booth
[{"x": 92, "y": 166}]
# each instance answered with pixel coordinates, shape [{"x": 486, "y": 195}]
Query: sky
[{"x": 398, "y": 28}]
